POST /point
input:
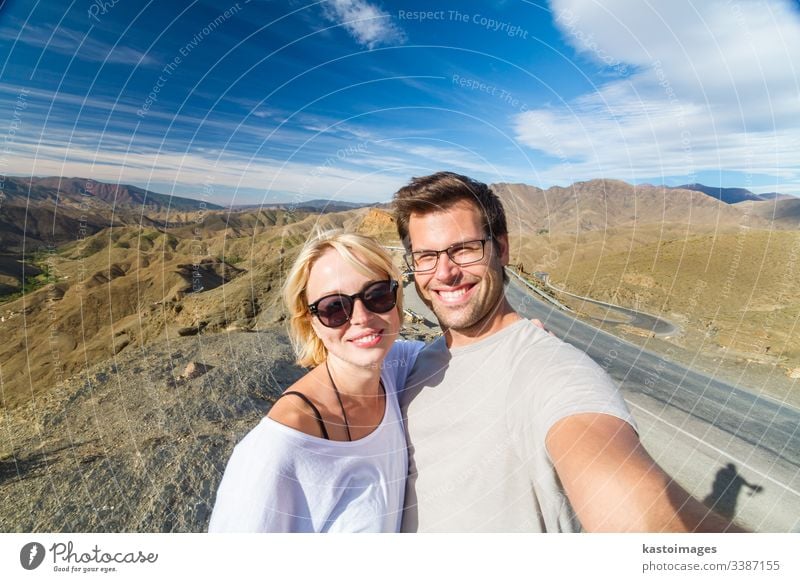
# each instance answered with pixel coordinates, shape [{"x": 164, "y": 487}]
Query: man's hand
[{"x": 614, "y": 485}]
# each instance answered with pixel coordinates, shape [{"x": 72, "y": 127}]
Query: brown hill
[
  {"x": 738, "y": 289},
  {"x": 38, "y": 212},
  {"x": 727, "y": 195},
  {"x": 603, "y": 204},
  {"x": 40, "y": 224},
  {"x": 782, "y": 213},
  {"x": 118, "y": 196},
  {"x": 125, "y": 287},
  {"x": 131, "y": 445}
]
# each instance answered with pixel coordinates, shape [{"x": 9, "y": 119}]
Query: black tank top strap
[{"x": 305, "y": 399}]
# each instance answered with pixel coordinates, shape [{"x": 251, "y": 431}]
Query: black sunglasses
[{"x": 337, "y": 309}]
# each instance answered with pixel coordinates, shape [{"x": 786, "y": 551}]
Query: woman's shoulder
[
  {"x": 296, "y": 408},
  {"x": 259, "y": 449}
]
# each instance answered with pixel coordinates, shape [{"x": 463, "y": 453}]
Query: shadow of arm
[{"x": 615, "y": 486}]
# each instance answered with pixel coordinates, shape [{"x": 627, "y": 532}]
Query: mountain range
[
  {"x": 37, "y": 212},
  {"x": 733, "y": 195},
  {"x": 604, "y": 204}
]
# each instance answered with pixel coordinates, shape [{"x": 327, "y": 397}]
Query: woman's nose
[{"x": 360, "y": 313}]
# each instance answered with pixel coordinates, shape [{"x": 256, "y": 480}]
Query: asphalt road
[
  {"x": 719, "y": 441},
  {"x": 638, "y": 319}
]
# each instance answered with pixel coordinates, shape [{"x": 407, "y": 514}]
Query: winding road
[{"x": 646, "y": 321}]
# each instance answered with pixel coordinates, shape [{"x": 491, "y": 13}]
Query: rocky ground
[{"x": 134, "y": 446}]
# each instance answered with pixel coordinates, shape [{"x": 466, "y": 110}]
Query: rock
[
  {"x": 793, "y": 373},
  {"x": 239, "y": 326},
  {"x": 195, "y": 370},
  {"x": 186, "y": 331}
]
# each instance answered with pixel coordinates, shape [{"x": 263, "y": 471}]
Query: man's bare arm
[{"x": 614, "y": 485}]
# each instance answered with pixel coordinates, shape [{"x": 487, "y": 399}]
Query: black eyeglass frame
[
  {"x": 313, "y": 308},
  {"x": 409, "y": 257}
]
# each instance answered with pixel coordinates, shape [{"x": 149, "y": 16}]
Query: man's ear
[{"x": 502, "y": 248}]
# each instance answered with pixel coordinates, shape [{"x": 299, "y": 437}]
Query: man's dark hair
[{"x": 441, "y": 191}]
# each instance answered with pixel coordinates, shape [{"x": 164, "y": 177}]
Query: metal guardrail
[
  {"x": 539, "y": 292},
  {"x": 620, "y": 308}
]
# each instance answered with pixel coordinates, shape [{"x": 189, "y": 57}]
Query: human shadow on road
[{"x": 725, "y": 490}]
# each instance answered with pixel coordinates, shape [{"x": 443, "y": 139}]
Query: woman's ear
[{"x": 315, "y": 324}]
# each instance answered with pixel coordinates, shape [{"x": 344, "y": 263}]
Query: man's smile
[{"x": 454, "y": 295}]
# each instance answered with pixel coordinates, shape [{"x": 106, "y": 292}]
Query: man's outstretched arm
[{"x": 615, "y": 486}]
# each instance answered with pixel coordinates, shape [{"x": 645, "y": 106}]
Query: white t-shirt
[
  {"x": 477, "y": 418},
  {"x": 279, "y": 479}
]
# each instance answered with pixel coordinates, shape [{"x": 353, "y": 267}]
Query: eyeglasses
[
  {"x": 463, "y": 253},
  {"x": 337, "y": 309}
]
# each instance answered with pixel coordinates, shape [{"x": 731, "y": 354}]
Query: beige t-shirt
[{"x": 476, "y": 421}]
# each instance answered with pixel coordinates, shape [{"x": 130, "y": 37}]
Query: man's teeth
[
  {"x": 366, "y": 339},
  {"x": 450, "y": 295}
]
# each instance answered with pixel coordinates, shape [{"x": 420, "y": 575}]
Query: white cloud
[
  {"x": 700, "y": 86},
  {"x": 366, "y": 23}
]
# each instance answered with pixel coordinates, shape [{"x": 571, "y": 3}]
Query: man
[{"x": 509, "y": 428}]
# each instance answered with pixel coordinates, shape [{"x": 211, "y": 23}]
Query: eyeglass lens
[{"x": 461, "y": 254}]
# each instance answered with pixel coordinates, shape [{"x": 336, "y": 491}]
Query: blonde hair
[{"x": 363, "y": 253}]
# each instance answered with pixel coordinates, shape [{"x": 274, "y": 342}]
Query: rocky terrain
[
  {"x": 129, "y": 445},
  {"x": 139, "y": 443}
]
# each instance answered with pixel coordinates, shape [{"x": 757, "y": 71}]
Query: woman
[{"x": 331, "y": 453}]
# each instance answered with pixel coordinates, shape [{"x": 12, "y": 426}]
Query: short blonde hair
[{"x": 363, "y": 253}]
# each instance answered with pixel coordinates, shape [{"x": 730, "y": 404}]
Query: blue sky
[{"x": 258, "y": 101}]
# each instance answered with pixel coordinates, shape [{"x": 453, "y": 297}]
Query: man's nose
[{"x": 446, "y": 269}]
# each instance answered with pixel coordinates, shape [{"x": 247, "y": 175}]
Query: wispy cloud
[
  {"x": 70, "y": 117},
  {"x": 69, "y": 42},
  {"x": 366, "y": 23},
  {"x": 230, "y": 172},
  {"x": 700, "y": 86}
]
